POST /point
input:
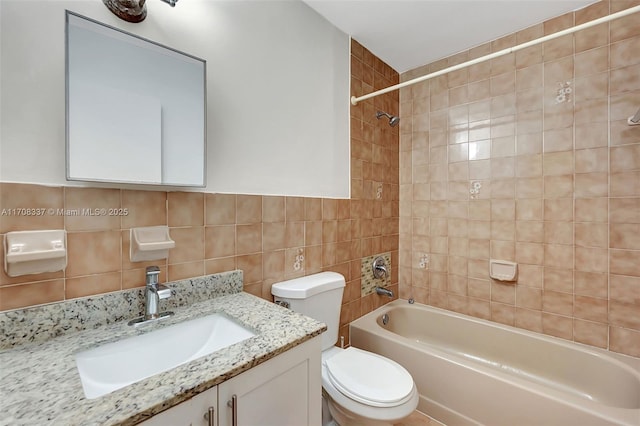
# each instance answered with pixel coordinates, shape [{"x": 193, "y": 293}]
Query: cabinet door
[
  {"x": 189, "y": 413},
  {"x": 284, "y": 391}
]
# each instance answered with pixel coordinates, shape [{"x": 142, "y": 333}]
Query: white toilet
[{"x": 360, "y": 387}]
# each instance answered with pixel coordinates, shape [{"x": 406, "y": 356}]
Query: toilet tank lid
[{"x": 303, "y": 287}]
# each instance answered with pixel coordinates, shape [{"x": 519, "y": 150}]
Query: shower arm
[
  {"x": 634, "y": 120},
  {"x": 622, "y": 13}
]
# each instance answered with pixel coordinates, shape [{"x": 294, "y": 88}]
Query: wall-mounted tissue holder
[
  {"x": 503, "y": 270},
  {"x": 34, "y": 252},
  {"x": 151, "y": 243}
]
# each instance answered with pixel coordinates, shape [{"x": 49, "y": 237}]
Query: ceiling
[{"x": 409, "y": 33}]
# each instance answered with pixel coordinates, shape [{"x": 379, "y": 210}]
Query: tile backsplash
[
  {"x": 269, "y": 238},
  {"x": 528, "y": 158}
]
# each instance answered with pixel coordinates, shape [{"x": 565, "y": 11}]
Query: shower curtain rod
[{"x": 622, "y": 13}]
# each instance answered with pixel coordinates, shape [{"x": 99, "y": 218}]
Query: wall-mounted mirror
[{"x": 136, "y": 110}]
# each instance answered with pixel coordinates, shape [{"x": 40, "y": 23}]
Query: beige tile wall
[
  {"x": 262, "y": 235},
  {"x": 559, "y": 182}
]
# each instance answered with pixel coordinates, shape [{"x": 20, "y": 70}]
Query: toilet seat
[{"x": 369, "y": 378}]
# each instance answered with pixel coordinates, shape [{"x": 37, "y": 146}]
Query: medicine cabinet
[{"x": 135, "y": 109}]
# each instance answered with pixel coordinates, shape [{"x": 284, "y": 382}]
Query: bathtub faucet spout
[{"x": 384, "y": 291}]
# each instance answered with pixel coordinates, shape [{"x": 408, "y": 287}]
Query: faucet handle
[
  {"x": 165, "y": 292},
  {"x": 153, "y": 274},
  {"x": 379, "y": 267},
  {"x": 152, "y": 270}
]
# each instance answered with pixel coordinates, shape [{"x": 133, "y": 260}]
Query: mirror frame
[{"x": 138, "y": 38}]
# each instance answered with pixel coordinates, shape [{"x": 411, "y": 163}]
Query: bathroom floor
[{"x": 419, "y": 419}]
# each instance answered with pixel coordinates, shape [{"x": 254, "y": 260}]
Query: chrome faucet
[
  {"x": 384, "y": 292},
  {"x": 153, "y": 294}
]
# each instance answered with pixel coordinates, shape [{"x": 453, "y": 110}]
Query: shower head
[{"x": 393, "y": 120}]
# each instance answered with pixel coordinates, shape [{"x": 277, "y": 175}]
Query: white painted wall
[{"x": 277, "y": 88}]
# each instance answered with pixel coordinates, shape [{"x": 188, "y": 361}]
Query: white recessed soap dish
[
  {"x": 34, "y": 252},
  {"x": 150, "y": 243},
  {"x": 503, "y": 270}
]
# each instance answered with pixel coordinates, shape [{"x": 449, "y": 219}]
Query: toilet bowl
[
  {"x": 365, "y": 389},
  {"x": 360, "y": 388}
]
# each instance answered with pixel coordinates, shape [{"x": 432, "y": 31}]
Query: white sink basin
[{"x": 118, "y": 364}]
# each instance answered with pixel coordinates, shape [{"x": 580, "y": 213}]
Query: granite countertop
[{"x": 40, "y": 384}]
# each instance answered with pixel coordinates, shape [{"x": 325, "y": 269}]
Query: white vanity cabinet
[{"x": 283, "y": 391}]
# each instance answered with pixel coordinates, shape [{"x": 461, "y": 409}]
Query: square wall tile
[
  {"x": 93, "y": 284},
  {"x": 30, "y": 207},
  {"x": 93, "y": 253},
  {"x": 31, "y": 294},
  {"x": 185, "y": 209},
  {"x": 82, "y": 200},
  {"x": 220, "y": 209},
  {"x": 248, "y": 209},
  {"x": 144, "y": 208},
  {"x": 189, "y": 244}
]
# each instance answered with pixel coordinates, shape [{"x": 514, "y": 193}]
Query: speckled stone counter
[
  {"x": 41, "y": 323},
  {"x": 40, "y": 385}
]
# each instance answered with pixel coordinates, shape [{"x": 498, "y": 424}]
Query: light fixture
[{"x": 131, "y": 10}]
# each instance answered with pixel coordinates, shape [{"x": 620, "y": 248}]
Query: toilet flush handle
[{"x": 282, "y": 303}]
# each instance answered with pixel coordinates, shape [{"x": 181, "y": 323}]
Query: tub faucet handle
[{"x": 379, "y": 266}]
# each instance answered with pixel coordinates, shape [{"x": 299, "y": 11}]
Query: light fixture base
[{"x": 128, "y": 10}]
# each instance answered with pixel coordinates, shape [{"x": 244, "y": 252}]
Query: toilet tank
[{"x": 318, "y": 296}]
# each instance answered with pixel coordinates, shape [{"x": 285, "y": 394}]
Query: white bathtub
[{"x": 469, "y": 371}]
